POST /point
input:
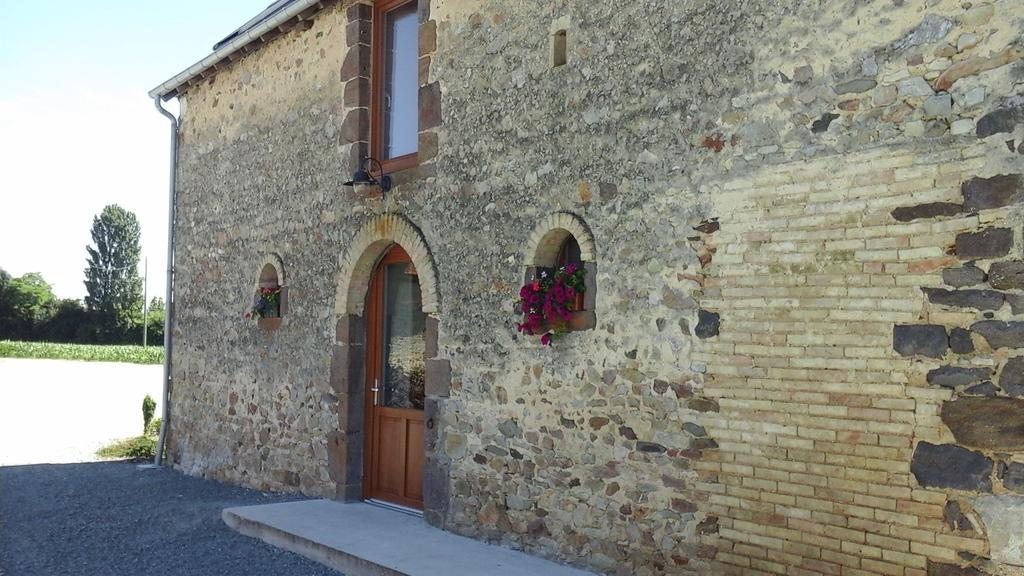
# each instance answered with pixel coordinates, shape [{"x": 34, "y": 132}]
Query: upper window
[{"x": 395, "y": 135}]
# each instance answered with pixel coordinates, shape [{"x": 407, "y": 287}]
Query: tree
[
  {"x": 26, "y": 303},
  {"x": 70, "y": 323},
  {"x": 112, "y": 277}
]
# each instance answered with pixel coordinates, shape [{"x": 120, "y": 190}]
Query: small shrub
[
  {"x": 148, "y": 408},
  {"x": 137, "y": 448},
  {"x": 153, "y": 429}
]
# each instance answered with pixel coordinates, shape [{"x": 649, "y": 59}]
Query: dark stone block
[
  {"x": 509, "y": 429},
  {"x": 695, "y": 429},
  {"x": 702, "y": 405},
  {"x": 995, "y": 424},
  {"x": 430, "y": 106},
  {"x": 356, "y": 126},
  {"x": 359, "y": 12},
  {"x": 994, "y": 192},
  {"x": 1016, "y": 302},
  {"x": 936, "y": 569},
  {"x": 1006, "y": 275},
  {"x": 356, "y": 63},
  {"x": 428, "y": 37},
  {"x": 430, "y": 337},
  {"x": 358, "y": 32},
  {"x": 967, "y": 275},
  {"x": 349, "y": 330},
  {"x": 435, "y": 489},
  {"x": 1000, "y": 334},
  {"x": 955, "y": 517},
  {"x": 931, "y": 210},
  {"x": 1000, "y": 120},
  {"x": 1013, "y": 477},
  {"x": 950, "y": 466},
  {"x": 988, "y": 243},
  {"x": 855, "y": 86},
  {"x": 986, "y": 389},
  {"x": 683, "y": 506},
  {"x": 438, "y": 378},
  {"x": 650, "y": 447},
  {"x": 960, "y": 341},
  {"x": 708, "y": 324},
  {"x": 1011, "y": 380},
  {"x": 357, "y": 93},
  {"x": 978, "y": 299},
  {"x": 953, "y": 376},
  {"x": 920, "y": 339},
  {"x": 821, "y": 124}
]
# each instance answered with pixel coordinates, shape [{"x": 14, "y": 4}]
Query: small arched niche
[
  {"x": 559, "y": 241},
  {"x": 270, "y": 295}
]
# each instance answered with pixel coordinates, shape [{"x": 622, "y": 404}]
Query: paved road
[
  {"x": 62, "y": 411},
  {"x": 112, "y": 519}
]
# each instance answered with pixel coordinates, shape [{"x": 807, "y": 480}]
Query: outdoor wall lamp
[{"x": 364, "y": 176}]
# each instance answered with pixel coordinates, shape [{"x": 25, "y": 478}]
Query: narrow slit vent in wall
[{"x": 558, "y": 48}]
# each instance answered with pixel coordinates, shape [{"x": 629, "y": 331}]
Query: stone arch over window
[
  {"x": 558, "y": 239},
  {"x": 348, "y": 365},
  {"x": 550, "y": 234},
  {"x": 270, "y": 274}
]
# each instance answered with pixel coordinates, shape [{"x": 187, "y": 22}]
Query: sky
[{"x": 78, "y": 130}]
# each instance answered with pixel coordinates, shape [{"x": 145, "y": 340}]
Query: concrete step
[{"x": 363, "y": 540}]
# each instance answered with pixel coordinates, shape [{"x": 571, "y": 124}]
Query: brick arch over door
[
  {"x": 348, "y": 362},
  {"x": 366, "y": 248}
]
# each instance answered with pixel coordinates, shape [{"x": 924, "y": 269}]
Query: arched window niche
[
  {"x": 560, "y": 240},
  {"x": 270, "y": 295}
]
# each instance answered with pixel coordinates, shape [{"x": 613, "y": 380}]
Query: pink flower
[{"x": 545, "y": 340}]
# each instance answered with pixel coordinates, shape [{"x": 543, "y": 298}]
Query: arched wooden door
[{"x": 395, "y": 377}]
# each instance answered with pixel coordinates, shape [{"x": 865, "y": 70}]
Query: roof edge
[{"x": 169, "y": 88}]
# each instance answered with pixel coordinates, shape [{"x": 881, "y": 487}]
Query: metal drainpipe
[{"x": 169, "y": 300}]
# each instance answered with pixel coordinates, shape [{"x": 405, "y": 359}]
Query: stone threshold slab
[{"x": 363, "y": 540}]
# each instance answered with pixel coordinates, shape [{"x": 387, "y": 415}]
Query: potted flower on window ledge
[
  {"x": 548, "y": 302},
  {"x": 267, "y": 305}
]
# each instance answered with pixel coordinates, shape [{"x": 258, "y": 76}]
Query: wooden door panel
[
  {"x": 390, "y": 455},
  {"x": 415, "y": 454}
]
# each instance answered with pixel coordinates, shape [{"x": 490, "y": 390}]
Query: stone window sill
[{"x": 269, "y": 324}]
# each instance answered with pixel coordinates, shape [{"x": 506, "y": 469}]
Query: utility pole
[{"x": 145, "y": 299}]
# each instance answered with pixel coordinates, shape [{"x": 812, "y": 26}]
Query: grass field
[{"x": 129, "y": 354}]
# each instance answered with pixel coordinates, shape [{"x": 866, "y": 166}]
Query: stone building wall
[{"x": 797, "y": 366}]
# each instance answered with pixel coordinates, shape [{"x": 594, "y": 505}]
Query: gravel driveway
[{"x": 112, "y": 519}]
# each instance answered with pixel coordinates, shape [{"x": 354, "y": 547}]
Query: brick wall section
[{"x": 819, "y": 416}]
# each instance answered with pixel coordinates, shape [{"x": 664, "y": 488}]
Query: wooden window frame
[{"x": 378, "y": 45}]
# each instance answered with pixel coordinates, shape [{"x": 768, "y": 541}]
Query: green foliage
[
  {"x": 70, "y": 322},
  {"x": 148, "y": 408},
  {"x": 112, "y": 277},
  {"x": 153, "y": 429},
  {"x": 129, "y": 354},
  {"x": 137, "y": 448},
  {"x": 26, "y": 303}
]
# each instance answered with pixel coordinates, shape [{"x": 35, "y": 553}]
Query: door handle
[{"x": 376, "y": 391}]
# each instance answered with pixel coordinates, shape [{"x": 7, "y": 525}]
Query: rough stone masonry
[{"x": 806, "y": 221}]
